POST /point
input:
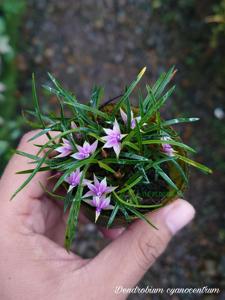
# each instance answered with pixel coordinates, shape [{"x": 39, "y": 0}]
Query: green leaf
[
  {"x": 53, "y": 195},
  {"x": 105, "y": 167},
  {"x": 89, "y": 109},
  {"x": 141, "y": 216},
  {"x": 178, "y": 121},
  {"x": 139, "y": 136},
  {"x": 113, "y": 215},
  {"x": 96, "y": 96},
  {"x": 127, "y": 187},
  {"x": 166, "y": 178},
  {"x": 40, "y": 133},
  {"x": 162, "y": 82},
  {"x": 27, "y": 155},
  {"x": 194, "y": 164},
  {"x": 154, "y": 108},
  {"x": 68, "y": 199},
  {"x": 131, "y": 145},
  {"x": 128, "y": 112},
  {"x": 128, "y": 204},
  {"x": 170, "y": 142},
  {"x": 180, "y": 170},
  {"x": 28, "y": 171},
  {"x": 74, "y": 213},
  {"x": 36, "y": 104},
  {"x": 134, "y": 198},
  {"x": 129, "y": 91},
  {"x": 156, "y": 105},
  {"x": 40, "y": 163}
]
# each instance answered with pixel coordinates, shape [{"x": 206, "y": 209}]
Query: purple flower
[
  {"x": 113, "y": 138},
  {"x": 65, "y": 149},
  {"x": 132, "y": 121},
  {"x": 100, "y": 203},
  {"x": 73, "y": 179},
  {"x": 98, "y": 189},
  {"x": 85, "y": 151},
  {"x": 167, "y": 148}
]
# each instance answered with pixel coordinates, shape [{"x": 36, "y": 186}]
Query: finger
[
  {"x": 19, "y": 163},
  {"x": 10, "y": 181},
  {"x": 107, "y": 233},
  {"x": 111, "y": 234},
  {"x": 132, "y": 253}
]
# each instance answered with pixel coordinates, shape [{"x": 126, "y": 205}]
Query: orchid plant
[{"x": 111, "y": 159}]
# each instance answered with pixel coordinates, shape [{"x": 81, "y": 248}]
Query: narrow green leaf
[
  {"x": 105, "y": 167},
  {"x": 27, "y": 155},
  {"x": 40, "y": 133},
  {"x": 96, "y": 96},
  {"x": 113, "y": 215},
  {"x": 53, "y": 195},
  {"x": 168, "y": 180},
  {"x": 126, "y": 188},
  {"x": 178, "y": 121},
  {"x": 43, "y": 169},
  {"x": 37, "y": 108},
  {"x": 141, "y": 216},
  {"x": 180, "y": 170},
  {"x": 131, "y": 145},
  {"x": 170, "y": 142},
  {"x": 128, "y": 204},
  {"x": 68, "y": 199},
  {"x": 162, "y": 82},
  {"x": 194, "y": 164},
  {"x": 129, "y": 90},
  {"x": 74, "y": 213},
  {"x": 89, "y": 109},
  {"x": 40, "y": 163}
]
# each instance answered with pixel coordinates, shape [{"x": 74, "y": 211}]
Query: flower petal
[
  {"x": 88, "y": 194},
  {"x": 108, "y": 131},
  {"x": 66, "y": 142},
  {"x": 117, "y": 149},
  {"x": 110, "y": 143},
  {"x": 96, "y": 182},
  {"x": 92, "y": 187},
  {"x": 97, "y": 214},
  {"x": 70, "y": 188},
  {"x": 104, "y": 202},
  {"x": 110, "y": 189},
  {"x": 79, "y": 148},
  {"x": 94, "y": 146},
  {"x": 116, "y": 127},
  {"x": 63, "y": 153}
]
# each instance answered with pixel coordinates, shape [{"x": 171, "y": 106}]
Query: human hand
[{"x": 34, "y": 264}]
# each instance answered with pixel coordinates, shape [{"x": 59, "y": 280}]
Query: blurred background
[{"x": 106, "y": 42}]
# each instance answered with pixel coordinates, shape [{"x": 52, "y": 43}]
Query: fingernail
[{"x": 179, "y": 215}]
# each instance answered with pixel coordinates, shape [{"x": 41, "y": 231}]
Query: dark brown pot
[{"x": 119, "y": 221}]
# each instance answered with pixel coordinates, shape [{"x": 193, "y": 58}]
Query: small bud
[
  {"x": 118, "y": 174},
  {"x": 104, "y": 153}
]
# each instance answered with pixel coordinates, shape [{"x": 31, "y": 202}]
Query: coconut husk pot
[{"x": 167, "y": 197}]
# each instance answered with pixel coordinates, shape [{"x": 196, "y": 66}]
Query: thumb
[{"x": 138, "y": 247}]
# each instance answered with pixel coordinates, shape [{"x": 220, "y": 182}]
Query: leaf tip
[{"x": 142, "y": 72}]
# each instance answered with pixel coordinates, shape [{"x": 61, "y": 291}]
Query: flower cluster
[{"x": 99, "y": 191}]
